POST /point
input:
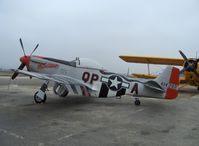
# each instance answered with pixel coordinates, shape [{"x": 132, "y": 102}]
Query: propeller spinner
[
  {"x": 24, "y": 59},
  {"x": 190, "y": 65}
]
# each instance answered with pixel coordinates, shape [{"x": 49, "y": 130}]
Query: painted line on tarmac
[
  {"x": 195, "y": 97},
  {"x": 137, "y": 111},
  {"x": 65, "y": 137},
  {"x": 3, "y": 105},
  {"x": 11, "y": 134},
  {"x": 41, "y": 144}
]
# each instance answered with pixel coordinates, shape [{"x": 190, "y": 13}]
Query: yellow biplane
[{"x": 190, "y": 66}]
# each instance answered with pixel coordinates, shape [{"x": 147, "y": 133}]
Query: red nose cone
[{"x": 25, "y": 60}]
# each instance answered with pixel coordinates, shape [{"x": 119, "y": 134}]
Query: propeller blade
[
  {"x": 34, "y": 49},
  {"x": 15, "y": 73},
  {"x": 21, "y": 66},
  {"x": 20, "y": 40},
  {"x": 183, "y": 55}
]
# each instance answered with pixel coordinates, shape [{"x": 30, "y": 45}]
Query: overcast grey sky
[{"x": 99, "y": 29}]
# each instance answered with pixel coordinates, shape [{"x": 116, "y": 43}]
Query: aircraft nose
[{"x": 25, "y": 60}]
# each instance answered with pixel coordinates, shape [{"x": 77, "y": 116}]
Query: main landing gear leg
[
  {"x": 40, "y": 96},
  {"x": 137, "y": 101}
]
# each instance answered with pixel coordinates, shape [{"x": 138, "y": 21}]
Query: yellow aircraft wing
[
  {"x": 143, "y": 76},
  {"x": 153, "y": 60},
  {"x": 151, "y": 76}
]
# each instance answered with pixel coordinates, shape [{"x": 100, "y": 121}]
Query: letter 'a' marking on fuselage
[{"x": 135, "y": 89}]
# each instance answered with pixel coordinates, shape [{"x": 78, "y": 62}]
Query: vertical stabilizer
[{"x": 169, "y": 81}]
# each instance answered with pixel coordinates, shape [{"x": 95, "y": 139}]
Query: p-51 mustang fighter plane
[
  {"x": 87, "y": 78},
  {"x": 190, "y": 66}
]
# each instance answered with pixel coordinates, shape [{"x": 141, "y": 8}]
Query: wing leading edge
[
  {"x": 153, "y": 60},
  {"x": 55, "y": 78}
]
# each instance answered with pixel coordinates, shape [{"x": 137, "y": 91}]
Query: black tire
[
  {"x": 39, "y": 100},
  {"x": 137, "y": 102}
]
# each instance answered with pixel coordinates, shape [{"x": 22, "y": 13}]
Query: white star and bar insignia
[{"x": 115, "y": 82}]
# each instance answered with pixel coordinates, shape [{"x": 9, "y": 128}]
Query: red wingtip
[{"x": 172, "y": 91}]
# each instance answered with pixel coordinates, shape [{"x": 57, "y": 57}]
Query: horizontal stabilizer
[{"x": 154, "y": 86}]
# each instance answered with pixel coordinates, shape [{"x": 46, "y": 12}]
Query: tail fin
[{"x": 169, "y": 81}]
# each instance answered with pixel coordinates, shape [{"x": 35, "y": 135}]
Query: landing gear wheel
[
  {"x": 137, "y": 102},
  {"x": 38, "y": 99}
]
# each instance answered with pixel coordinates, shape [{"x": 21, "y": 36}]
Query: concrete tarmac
[{"x": 90, "y": 121}]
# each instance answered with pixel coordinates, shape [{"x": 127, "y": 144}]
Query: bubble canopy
[{"x": 87, "y": 63}]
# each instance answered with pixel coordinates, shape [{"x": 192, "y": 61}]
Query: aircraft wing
[
  {"x": 153, "y": 60},
  {"x": 143, "y": 76},
  {"x": 62, "y": 79}
]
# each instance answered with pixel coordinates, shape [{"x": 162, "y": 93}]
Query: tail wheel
[
  {"x": 38, "y": 99},
  {"x": 137, "y": 102}
]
